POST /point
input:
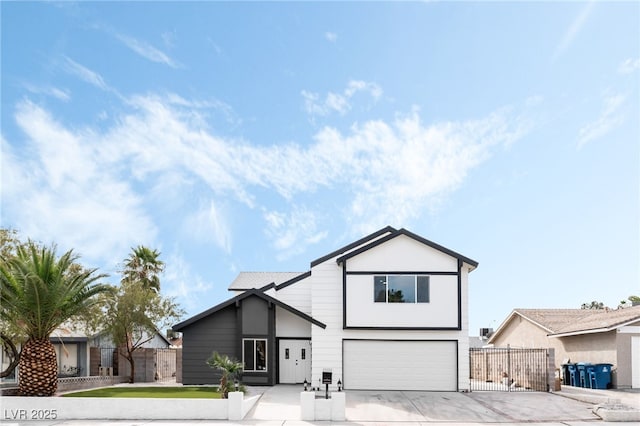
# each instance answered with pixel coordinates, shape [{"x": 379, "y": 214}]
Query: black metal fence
[{"x": 508, "y": 369}]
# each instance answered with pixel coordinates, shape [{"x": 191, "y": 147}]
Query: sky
[{"x": 260, "y": 136}]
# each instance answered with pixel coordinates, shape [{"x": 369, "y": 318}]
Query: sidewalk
[{"x": 630, "y": 397}]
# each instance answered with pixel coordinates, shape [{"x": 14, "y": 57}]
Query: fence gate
[
  {"x": 165, "y": 360},
  {"x": 508, "y": 369}
]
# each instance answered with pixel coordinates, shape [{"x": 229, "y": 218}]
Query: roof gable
[
  {"x": 397, "y": 233},
  {"x": 566, "y": 322},
  {"x": 600, "y": 320},
  {"x": 353, "y": 245},
  {"x": 249, "y": 293},
  {"x": 250, "y": 280}
]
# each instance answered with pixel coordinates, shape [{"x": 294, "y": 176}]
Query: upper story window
[{"x": 401, "y": 288}]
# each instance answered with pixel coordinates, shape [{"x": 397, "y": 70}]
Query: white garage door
[{"x": 400, "y": 365}]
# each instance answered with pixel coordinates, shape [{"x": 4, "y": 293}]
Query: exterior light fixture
[
  {"x": 305, "y": 384},
  {"x": 339, "y": 385},
  {"x": 236, "y": 384}
]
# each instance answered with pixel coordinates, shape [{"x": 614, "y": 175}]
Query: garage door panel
[{"x": 400, "y": 365}]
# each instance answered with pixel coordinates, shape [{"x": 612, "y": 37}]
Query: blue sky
[{"x": 260, "y": 136}]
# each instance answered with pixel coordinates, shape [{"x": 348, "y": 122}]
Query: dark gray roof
[{"x": 249, "y": 293}]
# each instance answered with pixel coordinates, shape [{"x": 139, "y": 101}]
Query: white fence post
[{"x": 235, "y": 405}]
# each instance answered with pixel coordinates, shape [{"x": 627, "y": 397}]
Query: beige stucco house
[{"x": 579, "y": 335}]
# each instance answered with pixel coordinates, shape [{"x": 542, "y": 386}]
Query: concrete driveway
[
  {"x": 475, "y": 407},
  {"x": 282, "y": 403}
]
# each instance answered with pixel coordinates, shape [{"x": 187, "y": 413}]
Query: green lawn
[{"x": 150, "y": 392}]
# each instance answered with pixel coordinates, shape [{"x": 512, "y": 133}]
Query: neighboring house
[
  {"x": 103, "y": 340},
  {"x": 580, "y": 335},
  {"x": 389, "y": 311},
  {"x": 72, "y": 351}
]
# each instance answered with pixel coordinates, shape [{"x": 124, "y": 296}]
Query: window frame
[
  {"x": 376, "y": 287},
  {"x": 255, "y": 354}
]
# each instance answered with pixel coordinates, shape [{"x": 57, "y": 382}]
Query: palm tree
[
  {"x": 228, "y": 367},
  {"x": 38, "y": 293},
  {"x": 143, "y": 265}
]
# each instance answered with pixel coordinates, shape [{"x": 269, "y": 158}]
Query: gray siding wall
[
  {"x": 219, "y": 332},
  {"x": 254, "y": 317},
  {"x": 258, "y": 321}
]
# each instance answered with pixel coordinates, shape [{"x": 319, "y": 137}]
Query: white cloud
[
  {"x": 208, "y": 223},
  {"x": 65, "y": 193},
  {"x": 147, "y": 51},
  {"x": 90, "y": 186},
  {"x": 629, "y": 65},
  {"x": 85, "y": 74},
  {"x": 574, "y": 29},
  {"x": 179, "y": 281},
  {"x": 169, "y": 38},
  {"x": 609, "y": 118},
  {"x": 291, "y": 232},
  {"x": 338, "y": 102},
  {"x": 60, "y": 94},
  {"x": 331, "y": 36}
]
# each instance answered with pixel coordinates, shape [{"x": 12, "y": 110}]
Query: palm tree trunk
[{"x": 38, "y": 368}]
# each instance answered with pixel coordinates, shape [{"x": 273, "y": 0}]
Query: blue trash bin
[
  {"x": 583, "y": 374},
  {"x": 601, "y": 376},
  {"x": 572, "y": 369}
]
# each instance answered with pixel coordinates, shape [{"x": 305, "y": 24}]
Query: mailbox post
[{"x": 326, "y": 380}]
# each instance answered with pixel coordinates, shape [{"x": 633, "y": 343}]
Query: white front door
[{"x": 295, "y": 361}]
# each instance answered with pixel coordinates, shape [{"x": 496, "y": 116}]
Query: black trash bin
[{"x": 566, "y": 379}]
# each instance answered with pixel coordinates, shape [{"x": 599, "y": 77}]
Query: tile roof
[
  {"x": 577, "y": 321},
  {"x": 249, "y": 280}
]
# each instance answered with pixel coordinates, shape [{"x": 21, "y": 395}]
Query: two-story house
[{"x": 386, "y": 312}]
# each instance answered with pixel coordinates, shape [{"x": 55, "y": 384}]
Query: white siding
[
  {"x": 291, "y": 325},
  {"x": 402, "y": 254},
  {"x": 326, "y": 293},
  {"x": 441, "y": 311},
  {"x": 296, "y": 295}
]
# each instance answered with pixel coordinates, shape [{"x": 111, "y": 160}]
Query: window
[
  {"x": 401, "y": 289},
  {"x": 254, "y": 354}
]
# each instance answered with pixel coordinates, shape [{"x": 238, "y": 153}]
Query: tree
[
  {"x": 40, "y": 291},
  {"x": 9, "y": 335},
  {"x": 144, "y": 266},
  {"x": 593, "y": 305},
  {"x": 229, "y": 368},
  {"x": 138, "y": 310},
  {"x": 630, "y": 301}
]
